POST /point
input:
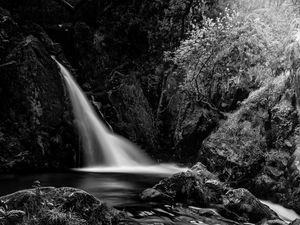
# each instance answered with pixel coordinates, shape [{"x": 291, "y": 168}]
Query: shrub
[{"x": 242, "y": 45}]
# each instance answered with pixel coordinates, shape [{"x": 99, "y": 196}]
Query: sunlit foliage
[{"x": 246, "y": 43}]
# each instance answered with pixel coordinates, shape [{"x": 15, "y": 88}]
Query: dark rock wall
[
  {"x": 133, "y": 117},
  {"x": 199, "y": 187},
  {"x": 36, "y": 128},
  {"x": 194, "y": 124},
  {"x": 255, "y": 147},
  {"x": 49, "y": 205},
  {"x": 117, "y": 50}
]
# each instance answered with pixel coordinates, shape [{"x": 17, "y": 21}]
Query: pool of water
[
  {"x": 117, "y": 189},
  {"x": 121, "y": 190}
]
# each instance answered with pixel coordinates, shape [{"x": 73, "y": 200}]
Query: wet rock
[
  {"x": 19, "y": 199},
  {"x": 15, "y": 216},
  {"x": 195, "y": 123},
  {"x": 272, "y": 177},
  {"x": 115, "y": 83},
  {"x": 272, "y": 222},
  {"x": 30, "y": 28},
  {"x": 153, "y": 195},
  {"x": 189, "y": 188},
  {"x": 295, "y": 222},
  {"x": 182, "y": 215},
  {"x": 79, "y": 200},
  {"x": 254, "y": 147},
  {"x": 35, "y": 122},
  {"x": 58, "y": 205},
  {"x": 134, "y": 118},
  {"x": 189, "y": 122},
  {"x": 197, "y": 187},
  {"x": 201, "y": 169},
  {"x": 243, "y": 203},
  {"x": 264, "y": 183},
  {"x": 11, "y": 217},
  {"x": 241, "y": 141}
]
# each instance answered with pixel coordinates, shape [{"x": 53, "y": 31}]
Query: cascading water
[
  {"x": 285, "y": 214},
  {"x": 103, "y": 150}
]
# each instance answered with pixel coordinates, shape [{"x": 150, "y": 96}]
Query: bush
[{"x": 243, "y": 45}]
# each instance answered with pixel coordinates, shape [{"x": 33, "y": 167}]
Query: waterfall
[{"x": 101, "y": 146}]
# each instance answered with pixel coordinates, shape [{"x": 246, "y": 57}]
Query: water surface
[
  {"x": 117, "y": 189},
  {"x": 122, "y": 190}
]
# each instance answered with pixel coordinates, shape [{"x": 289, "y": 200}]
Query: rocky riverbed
[
  {"x": 193, "y": 197},
  {"x": 241, "y": 139}
]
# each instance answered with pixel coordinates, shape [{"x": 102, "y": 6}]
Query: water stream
[
  {"x": 101, "y": 147},
  {"x": 120, "y": 190},
  {"x": 105, "y": 151},
  {"x": 285, "y": 214},
  {"x": 115, "y": 170}
]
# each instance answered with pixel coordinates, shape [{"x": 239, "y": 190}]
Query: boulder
[
  {"x": 244, "y": 138},
  {"x": 195, "y": 187},
  {"x": 272, "y": 222},
  {"x": 246, "y": 205},
  {"x": 15, "y": 216},
  {"x": 255, "y": 146},
  {"x": 153, "y": 195},
  {"x": 49, "y": 205},
  {"x": 295, "y": 222},
  {"x": 35, "y": 125},
  {"x": 194, "y": 123},
  {"x": 201, "y": 169},
  {"x": 199, "y": 187},
  {"x": 132, "y": 113}
]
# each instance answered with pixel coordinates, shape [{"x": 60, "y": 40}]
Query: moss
[
  {"x": 61, "y": 206},
  {"x": 265, "y": 120},
  {"x": 32, "y": 102}
]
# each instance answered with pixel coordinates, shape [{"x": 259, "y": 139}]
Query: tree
[{"x": 241, "y": 45}]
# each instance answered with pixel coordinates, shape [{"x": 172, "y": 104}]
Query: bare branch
[
  {"x": 8, "y": 64},
  {"x": 67, "y": 5}
]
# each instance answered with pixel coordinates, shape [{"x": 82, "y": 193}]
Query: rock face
[
  {"x": 295, "y": 222},
  {"x": 120, "y": 95},
  {"x": 255, "y": 147},
  {"x": 35, "y": 126},
  {"x": 199, "y": 187},
  {"x": 195, "y": 122},
  {"x": 134, "y": 118},
  {"x": 36, "y": 129},
  {"x": 243, "y": 203},
  {"x": 49, "y": 205},
  {"x": 187, "y": 121},
  {"x": 111, "y": 39},
  {"x": 191, "y": 187}
]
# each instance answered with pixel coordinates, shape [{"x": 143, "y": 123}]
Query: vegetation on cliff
[{"x": 214, "y": 81}]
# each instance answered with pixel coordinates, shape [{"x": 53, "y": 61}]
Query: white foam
[
  {"x": 164, "y": 169},
  {"x": 101, "y": 146},
  {"x": 284, "y": 213}
]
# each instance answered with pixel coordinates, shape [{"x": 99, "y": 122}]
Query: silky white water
[
  {"x": 285, "y": 214},
  {"x": 103, "y": 150}
]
